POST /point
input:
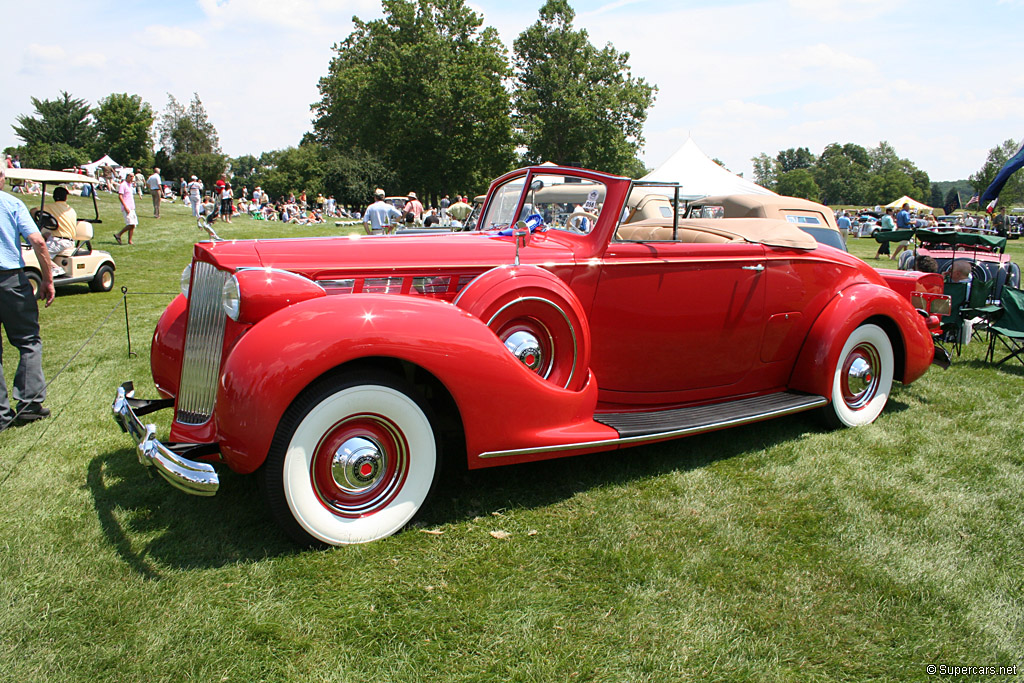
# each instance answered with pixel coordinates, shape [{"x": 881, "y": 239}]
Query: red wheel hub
[{"x": 360, "y": 465}]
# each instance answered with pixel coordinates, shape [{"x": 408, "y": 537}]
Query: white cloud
[
  {"x": 170, "y": 36},
  {"x": 846, "y": 11},
  {"x": 307, "y": 16},
  {"x": 47, "y": 58}
]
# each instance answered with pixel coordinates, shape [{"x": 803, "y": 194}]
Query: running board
[
  {"x": 705, "y": 418},
  {"x": 655, "y": 425}
]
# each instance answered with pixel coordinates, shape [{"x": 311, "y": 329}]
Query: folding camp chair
[
  {"x": 953, "y": 324},
  {"x": 978, "y": 309},
  {"x": 1008, "y": 327}
]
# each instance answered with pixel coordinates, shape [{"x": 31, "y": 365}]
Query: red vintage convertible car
[{"x": 584, "y": 315}]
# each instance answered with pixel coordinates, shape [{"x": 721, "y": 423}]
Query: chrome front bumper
[{"x": 197, "y": 478}]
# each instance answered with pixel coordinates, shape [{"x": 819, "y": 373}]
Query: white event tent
[
  {"x": 105, "y": 161},
  {"x": 699, "y": 176}
]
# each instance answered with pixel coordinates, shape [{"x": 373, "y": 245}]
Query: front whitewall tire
[{"x": 407, "y": 455}]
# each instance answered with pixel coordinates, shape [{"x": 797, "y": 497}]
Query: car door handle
[{"x": 759, "y": 267}]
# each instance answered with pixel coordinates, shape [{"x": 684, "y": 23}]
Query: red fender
[
  {"x": 502, "y": 404},
  {"x": 510, "y": 299},
  {"x": 166, "y": 351},
  {"x": 813, "y": 372}
]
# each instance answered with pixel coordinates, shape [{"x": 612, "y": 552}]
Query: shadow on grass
[
  {"x": 188, "y": 532},
  {"x": 1009, "y": 366},
  {"x": 464, "y": 495},
  {"x": 72, "y": 290},
  {"x": 150, "y": 524}
]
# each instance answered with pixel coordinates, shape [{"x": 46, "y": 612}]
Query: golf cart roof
[{"x": 40, "y": 175}]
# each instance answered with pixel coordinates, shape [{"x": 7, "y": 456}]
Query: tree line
[{"x": 855, "y": 175}]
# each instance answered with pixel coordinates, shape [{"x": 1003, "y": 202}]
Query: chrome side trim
[
  {"x": 633, "y": 440},
  {"x": 197, "y": 478}
]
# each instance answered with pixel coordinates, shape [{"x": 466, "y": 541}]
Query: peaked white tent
[
  {"x": 90, "y": 168},
  {"x": 699, "y": 176}
]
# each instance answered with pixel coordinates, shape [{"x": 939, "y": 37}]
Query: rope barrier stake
[{"x": 127, "y": 325}]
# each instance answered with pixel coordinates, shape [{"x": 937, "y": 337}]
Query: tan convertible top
[
  {"x": 768, "y": 206},
  {"x": 768, "y": 231}
]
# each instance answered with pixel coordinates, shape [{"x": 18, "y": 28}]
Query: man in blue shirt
[
  {"x": 903, "y": 222},
  {"x": 19, "y": 314},
  {"x": 844, "y": 223},
  {"x": 903, "y": 218},
  {"x": 379, "y": 214}
]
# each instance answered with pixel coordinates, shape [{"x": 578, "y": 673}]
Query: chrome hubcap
[
  {"x": 860, "y": 375},
  {"x": 526, "y": 348},
  {"x": 358, "y": 464}
]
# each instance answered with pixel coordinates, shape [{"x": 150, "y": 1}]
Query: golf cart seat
[{"x": 83, "y": 233}]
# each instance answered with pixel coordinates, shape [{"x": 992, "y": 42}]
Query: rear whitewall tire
[
  {"x": 303, "y": 489},
  {"x": 858, "y": 400}
]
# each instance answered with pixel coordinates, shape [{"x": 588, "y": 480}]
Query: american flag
[{"x": 972, "y": 200}]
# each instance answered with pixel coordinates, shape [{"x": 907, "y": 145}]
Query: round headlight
[
  {"x": 231, "y": 298},
  {"x": 186, "y": 279}
]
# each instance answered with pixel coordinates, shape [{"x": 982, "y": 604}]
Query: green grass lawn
[{"x": 778, "y": 551}]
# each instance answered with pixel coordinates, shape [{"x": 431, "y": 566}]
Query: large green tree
[
  {"x": 842, "y": 174},
  {"x": 793, "y": 158},
  {"x": 420, "y": 91},
  {"x": 189, "y": 142},
  {"x": 798, "y": 183},
  {"x": 884, "y": 165},
  {"x": 60, "y": 135},
  {"x": 124, "y": 126},
  {"x": 766, "y": 171},
  {"x": 575, "y": 103},
  {"x": 1013, "y": 191},
  {"x": 187, "y": 131},
  {"x": 66, "y": 120}
]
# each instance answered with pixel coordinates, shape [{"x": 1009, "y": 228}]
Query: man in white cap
[
  {"x": 379, "y": 214},
  {"x": 195, "y": 194}
]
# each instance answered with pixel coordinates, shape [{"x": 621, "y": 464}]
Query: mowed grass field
[{"x": 776, "y": 552}]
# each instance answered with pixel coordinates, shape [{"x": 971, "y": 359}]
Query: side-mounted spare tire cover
[{"x": 538, "y": 318}]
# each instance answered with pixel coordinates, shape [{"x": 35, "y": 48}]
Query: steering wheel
[
  {"x": 45, "y": 219},
  {"x": 575, "y": 222}
]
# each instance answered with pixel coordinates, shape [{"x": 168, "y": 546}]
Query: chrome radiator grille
[{"x": 204, "y": 341}]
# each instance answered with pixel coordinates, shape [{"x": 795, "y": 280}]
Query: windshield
[
  {"x": 554, "y": 202},
  {"x": 502, "y": 207}
]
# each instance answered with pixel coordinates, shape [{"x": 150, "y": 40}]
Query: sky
[{"x": 940, "y": 81}]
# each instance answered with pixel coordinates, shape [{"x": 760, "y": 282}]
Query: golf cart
[{"x": 81, "y": 263}]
